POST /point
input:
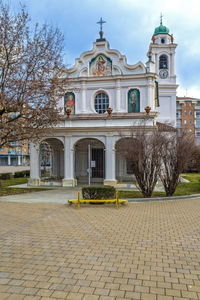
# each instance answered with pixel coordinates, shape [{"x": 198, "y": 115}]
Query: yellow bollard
[
  {"x": 117, "y": 199},
  {"x": 78, "y": 204}
]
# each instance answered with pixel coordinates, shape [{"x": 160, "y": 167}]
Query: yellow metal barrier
[{"x": 116, "y": 200}]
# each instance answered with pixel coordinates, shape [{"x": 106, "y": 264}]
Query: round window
[{"x": 101, "y": 103}]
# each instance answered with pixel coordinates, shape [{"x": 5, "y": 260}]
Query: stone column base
[
  {"x": 69, "y": 182},
  {"x": 33, "y": 182},
  {"x": 110, "y": 182}
]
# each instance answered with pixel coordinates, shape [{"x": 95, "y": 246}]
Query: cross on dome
[{"x": 161, "y": 17}]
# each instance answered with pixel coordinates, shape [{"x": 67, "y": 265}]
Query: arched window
[
  {"x": 163, "y": 62},
  {"x": 101, "y": 103}
]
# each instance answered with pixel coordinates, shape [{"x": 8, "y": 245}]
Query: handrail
[{"x": 116, "y": 200}]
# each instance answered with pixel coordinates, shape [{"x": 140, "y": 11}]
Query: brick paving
[{"x": 145, "y": 250}]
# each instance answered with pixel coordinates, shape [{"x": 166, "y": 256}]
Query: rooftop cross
[
  {"x": 101, "y": 22},
  {"x": 161, "y": 17}
]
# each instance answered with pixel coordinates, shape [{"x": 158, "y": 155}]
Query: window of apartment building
[
  {"x": 185, "y": 112},
  {"x": 197, "y": 133},
  {"x": 178, "y": 115},
  {"x": 190, "y": 113},
  {"x": 2, "y": 149},
  {"x": 16, "y": 143},
  {"x": 198, "y": 124},
  {"x": 190, "y": 122},
  {"x": 185, "y": 121},
  {"x": 178, "y": 123},
  {"x": 197, "y": 114}
]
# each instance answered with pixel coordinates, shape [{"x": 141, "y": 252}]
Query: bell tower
[{"x": 161, "y": 56}]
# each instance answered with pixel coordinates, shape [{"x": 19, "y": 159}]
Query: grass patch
[
  {"x": 192, "y": 177},
  {"x": 137, "y": 194},
  {"x": 183, "y": 188},
  {"x": 14, "y": 181},
  {"x": 6, "y": 190}
]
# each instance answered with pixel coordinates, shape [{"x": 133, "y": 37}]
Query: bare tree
[
  {"x": 176, "y": 155},
  {"x": 30, "y": 64},
  {"x": 194, "y": 166},
  {"x": 143, "y": 152}
]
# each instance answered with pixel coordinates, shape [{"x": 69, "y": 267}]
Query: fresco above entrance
[{"x": 100, "y": 66}]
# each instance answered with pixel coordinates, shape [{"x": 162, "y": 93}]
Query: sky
[{"x": 129, "y": 27}]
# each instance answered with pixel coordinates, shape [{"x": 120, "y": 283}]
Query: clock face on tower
[{"x": 163, "y": 74}]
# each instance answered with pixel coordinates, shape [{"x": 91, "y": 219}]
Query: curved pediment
[{"x": 103, "y": 61}]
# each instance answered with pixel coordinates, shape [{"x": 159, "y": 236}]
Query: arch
[
  {"x": 83, "y": 72},
  {"x": 51, "y": 159},
  {"x": 94, "y": 96},
  {"x": 116, "y": 70},
  {"x": 163, "y": 61},
  {"x": 124, "y": 169},
  {"x": 89, "y": 156},
  {"x": 133, "y": 100}
]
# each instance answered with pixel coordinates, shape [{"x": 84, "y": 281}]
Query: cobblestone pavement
[{"x": 145, "y": 250}]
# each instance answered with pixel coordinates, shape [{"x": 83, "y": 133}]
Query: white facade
[{"x": 86, "y": 140}]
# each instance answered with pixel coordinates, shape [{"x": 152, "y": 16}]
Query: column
[
  {"x": 110, "y": 177},
  {"x": 118, "y": 96},
  {"x": 9, "y": 160},
  {"x": 34, "y": 165},
  {"x": 55, "y": 163},
  {"x": 68, "y": 163},
  {"x": 151, "y": 94},
  {"x": 83, "y": 96},
  {"x": 19, "y": 160},
  {"x": 172, "y": 73}
]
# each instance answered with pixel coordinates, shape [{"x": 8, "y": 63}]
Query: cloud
[{"x": 130, "y": 25}]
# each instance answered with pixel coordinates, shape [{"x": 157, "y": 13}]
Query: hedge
[
  {"x": 4, "y": 176},
  {"x": 24, "y": 173},
  {"x": 98, "y": 192}
]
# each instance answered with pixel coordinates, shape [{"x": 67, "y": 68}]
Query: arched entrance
[
  {"x": 124, "y": 169},
  {"x": 52, "y": 159},
  {"x": 89, "y": 161}
]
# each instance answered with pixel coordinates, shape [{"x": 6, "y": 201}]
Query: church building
[{"x": 107, "y": 99}]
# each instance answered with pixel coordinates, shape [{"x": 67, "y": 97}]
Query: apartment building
[
  {"x": 15, "y": 155},
  {"x": 188, "y": 115}
]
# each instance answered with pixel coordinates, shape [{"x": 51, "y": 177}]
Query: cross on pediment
[{"x": 101, "y": 22}]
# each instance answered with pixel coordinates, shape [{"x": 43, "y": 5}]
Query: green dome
[{"x": 161, "y": 29}]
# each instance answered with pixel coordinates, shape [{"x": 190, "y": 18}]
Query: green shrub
[
  {"x": 98, "y": 192},
  {"x": 18, "y": 174},
  {"x": 25, "y": 173},
  {"x": 4, "y": 176}
]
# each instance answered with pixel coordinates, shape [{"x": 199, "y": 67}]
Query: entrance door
[{"x": 98, "y": 157}]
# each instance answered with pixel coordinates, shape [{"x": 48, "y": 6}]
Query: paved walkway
[
  {"x": 141, "y": 251},
  {"x": 55, "y": 195}
]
